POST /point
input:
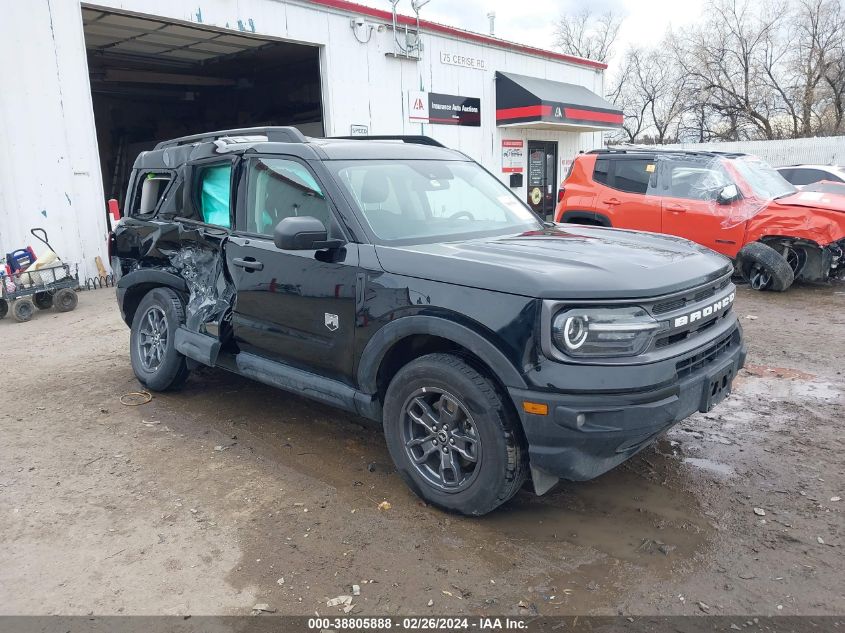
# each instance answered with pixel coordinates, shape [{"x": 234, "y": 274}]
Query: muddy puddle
[
  {"x": 580, "y": 548},
  {"x": 571, "y": 549}
]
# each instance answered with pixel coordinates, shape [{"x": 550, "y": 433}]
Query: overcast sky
[{"x": 532, "y": 21}]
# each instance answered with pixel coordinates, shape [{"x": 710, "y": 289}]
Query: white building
[{"x": 87, "y": 86}]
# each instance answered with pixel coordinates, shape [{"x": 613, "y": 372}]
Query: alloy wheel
[
  {"x": 152, "y": 339},
  {"x": 441, "y": 439},
  {"x": 760, "y": 278}
]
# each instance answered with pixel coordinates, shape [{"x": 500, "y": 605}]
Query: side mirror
[
  {"x": 727, "y": 194},
  {"x": 302, "y": 233}
]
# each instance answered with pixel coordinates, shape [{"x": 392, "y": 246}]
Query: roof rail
[
  {"x": 660, "y": 150},
  {"x": 414, "y": 139},
  {"x": 278, "y": 134}
]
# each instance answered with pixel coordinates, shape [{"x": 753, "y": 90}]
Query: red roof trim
[
  {"x": 354, "y": 7},
  {"x": 523, "y": 112},
  {"x": 592, "y": 115}
]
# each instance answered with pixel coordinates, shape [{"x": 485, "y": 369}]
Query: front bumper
[{"x": 586, "y": 434}]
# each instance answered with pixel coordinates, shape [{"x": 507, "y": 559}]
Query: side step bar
[
  {"x": 306, "y": 384},
  {"x": 205, "y": 349}
]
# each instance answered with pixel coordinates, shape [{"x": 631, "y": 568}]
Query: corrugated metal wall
[{"x": 799, "y": 151}]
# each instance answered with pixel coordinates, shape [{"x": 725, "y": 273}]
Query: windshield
[
  {"x": 415, "y": 201},
  {"x": 765, "y": 182}
]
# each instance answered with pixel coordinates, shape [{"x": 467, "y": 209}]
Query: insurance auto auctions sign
[{"x": 433, "y": 107}]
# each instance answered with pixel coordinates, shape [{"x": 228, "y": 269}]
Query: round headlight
[
  {"x": 575, "y": 330},
  {"x": 603, "y": 332}
]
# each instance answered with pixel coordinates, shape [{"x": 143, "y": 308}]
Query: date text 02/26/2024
[{"x": 417, "y": 624}]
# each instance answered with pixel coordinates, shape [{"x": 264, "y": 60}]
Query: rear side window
[
  {"x": 215, "y": 194},
  {"x": 149, "y": 192},
  {"x": 600, "y": 173},
  {"x": 809, "y": 176},
  {"x": 632, "y": 176}
]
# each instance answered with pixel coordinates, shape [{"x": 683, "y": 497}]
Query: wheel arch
[
  {"x": 400, "y": 341},
  {"x": 133, "y": 286},
  {"x": 817, "y": 259},
  {"x": 585, "y": 217}
]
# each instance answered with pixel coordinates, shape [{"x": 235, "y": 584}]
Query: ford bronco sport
[
  {"x": 399, "y": 280},
  {"x": 733, "y": 203}
]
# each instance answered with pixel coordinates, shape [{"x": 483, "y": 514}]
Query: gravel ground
[{"x": 230, "y": 493}]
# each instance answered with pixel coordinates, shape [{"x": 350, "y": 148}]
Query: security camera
[{"x": 358, "y": 22}]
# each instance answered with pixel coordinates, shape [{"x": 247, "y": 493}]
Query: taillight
[
  {"x": 560, "y": 194},
  {"x": 114, "y": 209}
]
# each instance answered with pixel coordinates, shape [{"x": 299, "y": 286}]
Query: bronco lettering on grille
[{"x": 713, "y": 308}]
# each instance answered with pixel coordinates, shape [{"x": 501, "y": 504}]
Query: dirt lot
[{"x": 229, "y": 494}]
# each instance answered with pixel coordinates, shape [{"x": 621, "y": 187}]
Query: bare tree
[
  {"x": 726, "y": 56},
  {"x": 748, "y": 69},
  {"x": 587, "y": 35},
  {"x": 651, "y": 91},
  {"x": 666, "y": 84},
  {"x": 627, "y": 94},
  {"x": 835, "y": 84},
  {"x": 818, "y": 31}
]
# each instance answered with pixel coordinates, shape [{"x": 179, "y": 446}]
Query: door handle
[
  {"x": 248, "y": 264},
  {"x": 612, "y": 201},
  {"x": 676, "y": 208}
]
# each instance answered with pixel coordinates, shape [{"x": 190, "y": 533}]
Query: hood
[
  {"x": 829, "y": 198},
  {"x": 578, "y": 262}
]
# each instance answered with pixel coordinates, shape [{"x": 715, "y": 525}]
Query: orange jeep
[{"x": 733, "y": 203}]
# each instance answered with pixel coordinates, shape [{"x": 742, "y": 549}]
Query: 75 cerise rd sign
[{"x": 461, "y": 60}]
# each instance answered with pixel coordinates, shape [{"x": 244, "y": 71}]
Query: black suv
[{"x": 399, "y": 280}]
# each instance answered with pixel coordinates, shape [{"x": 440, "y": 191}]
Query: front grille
[
  {"x": 708, "y": 355},
  {"x": 677, "y": 303},
  {"x": 671, "y": 339}
]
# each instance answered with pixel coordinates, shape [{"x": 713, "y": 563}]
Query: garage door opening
[{"x": 153, "y": 79}]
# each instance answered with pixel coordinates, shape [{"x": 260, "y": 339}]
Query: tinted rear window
[
  {"x": 809, "y": 176},
  {"x": 600, "y": 171},
  {"x": 633, "y": 175}
]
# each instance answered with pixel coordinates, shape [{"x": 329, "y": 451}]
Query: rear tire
[
  {"x": 65, "y": 300},
  {"x": 43, "y": 300},
  {"x": 23, "y": 309},
  {"x": 4, "y": 308},
  {"x": 155, "y": 361},
  {"x": 453, "y": 440},
  {"x": 764, "y": 268}
]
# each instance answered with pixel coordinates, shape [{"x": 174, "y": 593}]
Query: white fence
[{"x": 800, "y": 151}]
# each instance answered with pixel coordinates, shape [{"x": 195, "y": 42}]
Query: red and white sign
[
  {"x": 513, "y": 156},
  {"x": 417, "y": 106}
]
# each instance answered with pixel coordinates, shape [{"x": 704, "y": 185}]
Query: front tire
[
  {"x": 764, "y": 268},
  {"x": 155, "y": 361},
  {"x": 452, "y": 438}
]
